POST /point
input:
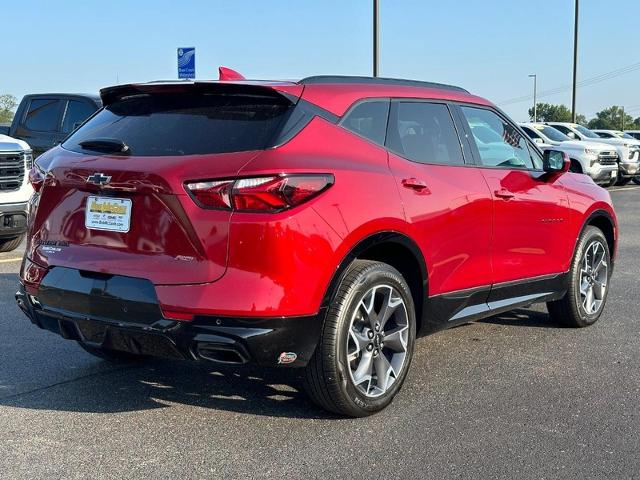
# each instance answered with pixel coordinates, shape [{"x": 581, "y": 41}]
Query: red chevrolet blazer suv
[{"x": 321, "y": 224}]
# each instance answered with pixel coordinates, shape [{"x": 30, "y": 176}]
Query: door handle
[
  {"x": 504, "y": 193},
  {"x": 414, "y": 184}
]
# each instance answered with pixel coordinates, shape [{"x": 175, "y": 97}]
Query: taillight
[
  {"x": 259, "y": 194},
  {"x": 36, "y": 178}
]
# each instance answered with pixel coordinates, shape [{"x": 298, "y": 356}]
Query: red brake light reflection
[{"x": 36, "y": 178}]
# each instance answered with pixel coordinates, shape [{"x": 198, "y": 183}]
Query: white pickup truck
[
  {"x": 628, "y": 150},
  {"x": 598, "y": 160},
  {"x": 16, "y": 160}
]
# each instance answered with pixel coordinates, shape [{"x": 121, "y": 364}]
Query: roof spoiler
[{"x": 291, "y": 92}]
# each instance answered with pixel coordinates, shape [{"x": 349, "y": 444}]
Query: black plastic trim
[
  {"x": 123, "y": 313},
  {"x": 366, "y": 244},
  {"x": 301, "y": 114},
  {"x": 468, "y": 305},
  {"x": 587, "y": 222}
]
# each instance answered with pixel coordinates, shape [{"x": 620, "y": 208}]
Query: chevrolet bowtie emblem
[{"x": 99, "y": 179}]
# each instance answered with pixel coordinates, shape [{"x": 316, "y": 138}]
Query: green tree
[
  {"x": 612, "y": 118},
  {"x": 548, "y": 112},
  {"x": 7, "y": 104}
]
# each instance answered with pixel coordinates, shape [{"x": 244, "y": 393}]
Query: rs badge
[{"x": 287, "y": 357}]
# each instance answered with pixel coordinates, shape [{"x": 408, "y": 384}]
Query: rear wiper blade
[{"x": 105, "y": 145}]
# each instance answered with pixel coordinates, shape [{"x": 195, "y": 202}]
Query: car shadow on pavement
[
  {"x": 161, "y": 384},
  {"x": 523, "y": 318}
]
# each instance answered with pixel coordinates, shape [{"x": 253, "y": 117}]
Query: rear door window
[
  {"x": 175, "y": 124},
  {"x": 76, "y": 113},
  {"x": 368, "y": 119},
  {"x": 424, "y": 132},
  {"x": 43, "y": 115}
]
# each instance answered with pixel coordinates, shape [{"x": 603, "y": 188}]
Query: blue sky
[{"x": 489, "y": 47}]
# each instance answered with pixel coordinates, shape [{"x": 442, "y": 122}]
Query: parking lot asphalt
[{"x": 515, "y": 396}]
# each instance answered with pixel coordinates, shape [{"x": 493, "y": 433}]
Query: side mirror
[
  {"x": 539, "y": 141},
  {"x": 555, "y": 161},
  {"x": 572, "y": 135}
]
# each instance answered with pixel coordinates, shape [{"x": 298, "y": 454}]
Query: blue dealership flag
[{"x": 187, "y": 62}]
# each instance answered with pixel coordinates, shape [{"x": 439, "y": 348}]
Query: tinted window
[
  {"x": 499, "y": 143},
  {"x": 585, "y": 131},
  {"x": 42, "y": 115},
  {"x": 552, "y": 133},
  {"x": 532, "y": 134},
  {"x": 368, "y": 119},
  {"x": 424, "y": 132},
  {"x": 567, "y": 131},
  {"x": 77, "y": 112},
  {"x": 605, "y": 134},
  {"x": 187, "y": 123}
]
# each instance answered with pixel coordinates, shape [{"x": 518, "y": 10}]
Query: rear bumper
[
  {"x": 284, "y": 341},
  {"x": 13, "y": 219}
]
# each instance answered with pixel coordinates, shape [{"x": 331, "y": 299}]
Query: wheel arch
[
  {"x": 578, "y": 164},
  {"x": 397, "y": 250},
  {"x": 602, "y": 220}
]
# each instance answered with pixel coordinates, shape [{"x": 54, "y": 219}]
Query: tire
[
  {"x": 636, "y": 180},
  {"x": 113, "y": 356},
  {"x": 611, "y": 183},
  {"x": 573, "y": 310},
  {"x": 10, "y": 244},
  {"x": 622, "y": 181},
  {"x": 334, "y": 377}
]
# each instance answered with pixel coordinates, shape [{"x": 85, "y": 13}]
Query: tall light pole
[
  {"x": 376, "y": 42},
  {"x": 535, "y": 96},
  {"x": 575, "y": 63}
]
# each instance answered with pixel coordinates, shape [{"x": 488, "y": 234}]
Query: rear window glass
[{"x": 186, "y": 124}]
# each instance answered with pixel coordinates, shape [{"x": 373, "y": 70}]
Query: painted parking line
[
  {"x": 10, "y": 260},
  {"x": 623, "y": 189}
]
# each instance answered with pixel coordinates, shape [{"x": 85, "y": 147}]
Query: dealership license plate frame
[{"x": 110, "y": 220}]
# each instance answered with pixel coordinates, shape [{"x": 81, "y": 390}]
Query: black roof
[{"x": 323, "y": 79}]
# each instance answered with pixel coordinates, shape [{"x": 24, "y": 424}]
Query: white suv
[
  {"x": 613, "y": 134},
  {"x": 598, "y": 160},
  {"x": 634, "y": 133},
  {"x": 16, "y": 160},
  {"x": 628, "y": 150}
]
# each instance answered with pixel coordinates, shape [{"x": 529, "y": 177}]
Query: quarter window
[
  {"x": 499, "y": 143},
  {"x": 368, "y": 119},
  {"x": 424, "y": 132}
]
